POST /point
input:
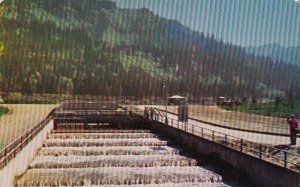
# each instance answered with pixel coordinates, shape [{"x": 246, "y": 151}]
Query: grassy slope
[
  {"x": 282, "y": 110},
  {"x": 3, "y": 110}
]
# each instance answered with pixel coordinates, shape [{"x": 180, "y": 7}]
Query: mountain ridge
[
  {"x": 60, "y": 47},
  {"x": 277, "y": 53}
]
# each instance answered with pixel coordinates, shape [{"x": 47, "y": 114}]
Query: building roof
[{"x": 176, "y": 97}]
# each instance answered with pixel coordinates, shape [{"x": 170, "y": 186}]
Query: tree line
[{"x": 59, "y": 48}]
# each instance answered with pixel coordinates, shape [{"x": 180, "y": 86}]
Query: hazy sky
[{"x": 242, "y": 22}]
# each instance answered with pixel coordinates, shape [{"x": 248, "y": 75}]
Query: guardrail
[
  {"x": 80, "y": 113},
  {"x": 282, "y": 158},
  {"x": 135, "y": 110},
  {"x": 11, "y": 150}
]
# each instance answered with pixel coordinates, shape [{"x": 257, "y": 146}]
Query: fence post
[
  {"x": 213, "y": 136},
  {"x": 21, "y": 142},
  {"x": 14, "y": 149},
  {"x": 201, "y": 132},
  {"x": 225, "y": 139},
  {"x": 285, "y": 158},
  {"x": 260, "y": 151},
  {"x": 55, "y": 125},
  {"x": 193, "y": 129},
  {"x": 26, "y": 136},
  {"x": 5, "y": 156},
  {"x": 241, "y": 145}
]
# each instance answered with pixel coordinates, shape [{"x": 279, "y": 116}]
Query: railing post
[
  {"x": 213, "y": 136},
  {"x": 285, "y": 159},
  {"x": 14, "y": 149},
  {"x": 241, "y": 145},
  {"x": 5, "y": 156},
  {"x": 21, "y": 142},
  {"x": 201, "y": 132},
  {"x": 193, "y": 129},
  {"x": 260, "y": 151},
  {"x": 55, "y": 125},
  {"x": 172, "y": 122},
  {"x": 177, "y": 124},
  {"x": 225, "y": 139},
  {"x": 26, "y": 136}
]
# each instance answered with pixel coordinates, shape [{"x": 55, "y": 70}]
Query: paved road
[{"x": 254, "y": 137}]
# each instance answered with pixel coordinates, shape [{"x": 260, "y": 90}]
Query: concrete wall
[
  {"x": 18, "y": 165},
  {"x": 260, "y": 171}
]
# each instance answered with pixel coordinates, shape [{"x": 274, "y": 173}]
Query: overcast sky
[{"x": 242, "y": 22}]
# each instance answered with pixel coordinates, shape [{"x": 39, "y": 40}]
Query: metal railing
[
  {"x": 80, "y": 113},
  {"x": 135, "y": 110},
  {"x": 13, "y": 148},
  {"x": 270, "y": 154}
]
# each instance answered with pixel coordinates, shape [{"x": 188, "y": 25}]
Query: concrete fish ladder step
[
  {"x": 103, "y": 142},
  {"x": 113, "y": 175},
  {"x": 100, "y": 135},
  {"x": 190, "y": 184},
  {"x": 111, "y": 161},
  {"x": 89, "y": 151},
  {"x": 101, "y": 131}
]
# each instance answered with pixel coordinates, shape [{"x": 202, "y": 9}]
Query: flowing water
[{"x": 114, "y": 158}]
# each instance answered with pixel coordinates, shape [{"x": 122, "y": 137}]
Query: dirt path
[
  {"x": 238, "y": 120},
  {"x": 21, "y": 118}
]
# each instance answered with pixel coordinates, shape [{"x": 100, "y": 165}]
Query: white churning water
[
  {"x": 102, "y": 135},
  {"x": 113, "y": 150},
  {"x": 114, "y": 159}
]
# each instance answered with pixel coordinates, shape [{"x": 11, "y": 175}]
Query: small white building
[{"x": 176, "y": 99}]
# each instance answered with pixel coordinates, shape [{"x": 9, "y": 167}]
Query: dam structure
[
  {"x": 109, "y": 146},
  {"x": 106, "y": 144}
]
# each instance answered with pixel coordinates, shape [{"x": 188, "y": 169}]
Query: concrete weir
[
  {"x": 113, "y": 159},
  {"x": 87, "y": 146}
]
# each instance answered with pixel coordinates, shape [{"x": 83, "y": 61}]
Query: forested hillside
[{"x": 93, "y": 47}]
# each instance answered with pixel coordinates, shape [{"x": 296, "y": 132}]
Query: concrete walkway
[
  {"x": 275, "y": 133},
  {"x": 235, "y": 120},
  {"x": 21, "y": 119},
  {"x": 250, "y": 136}
]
